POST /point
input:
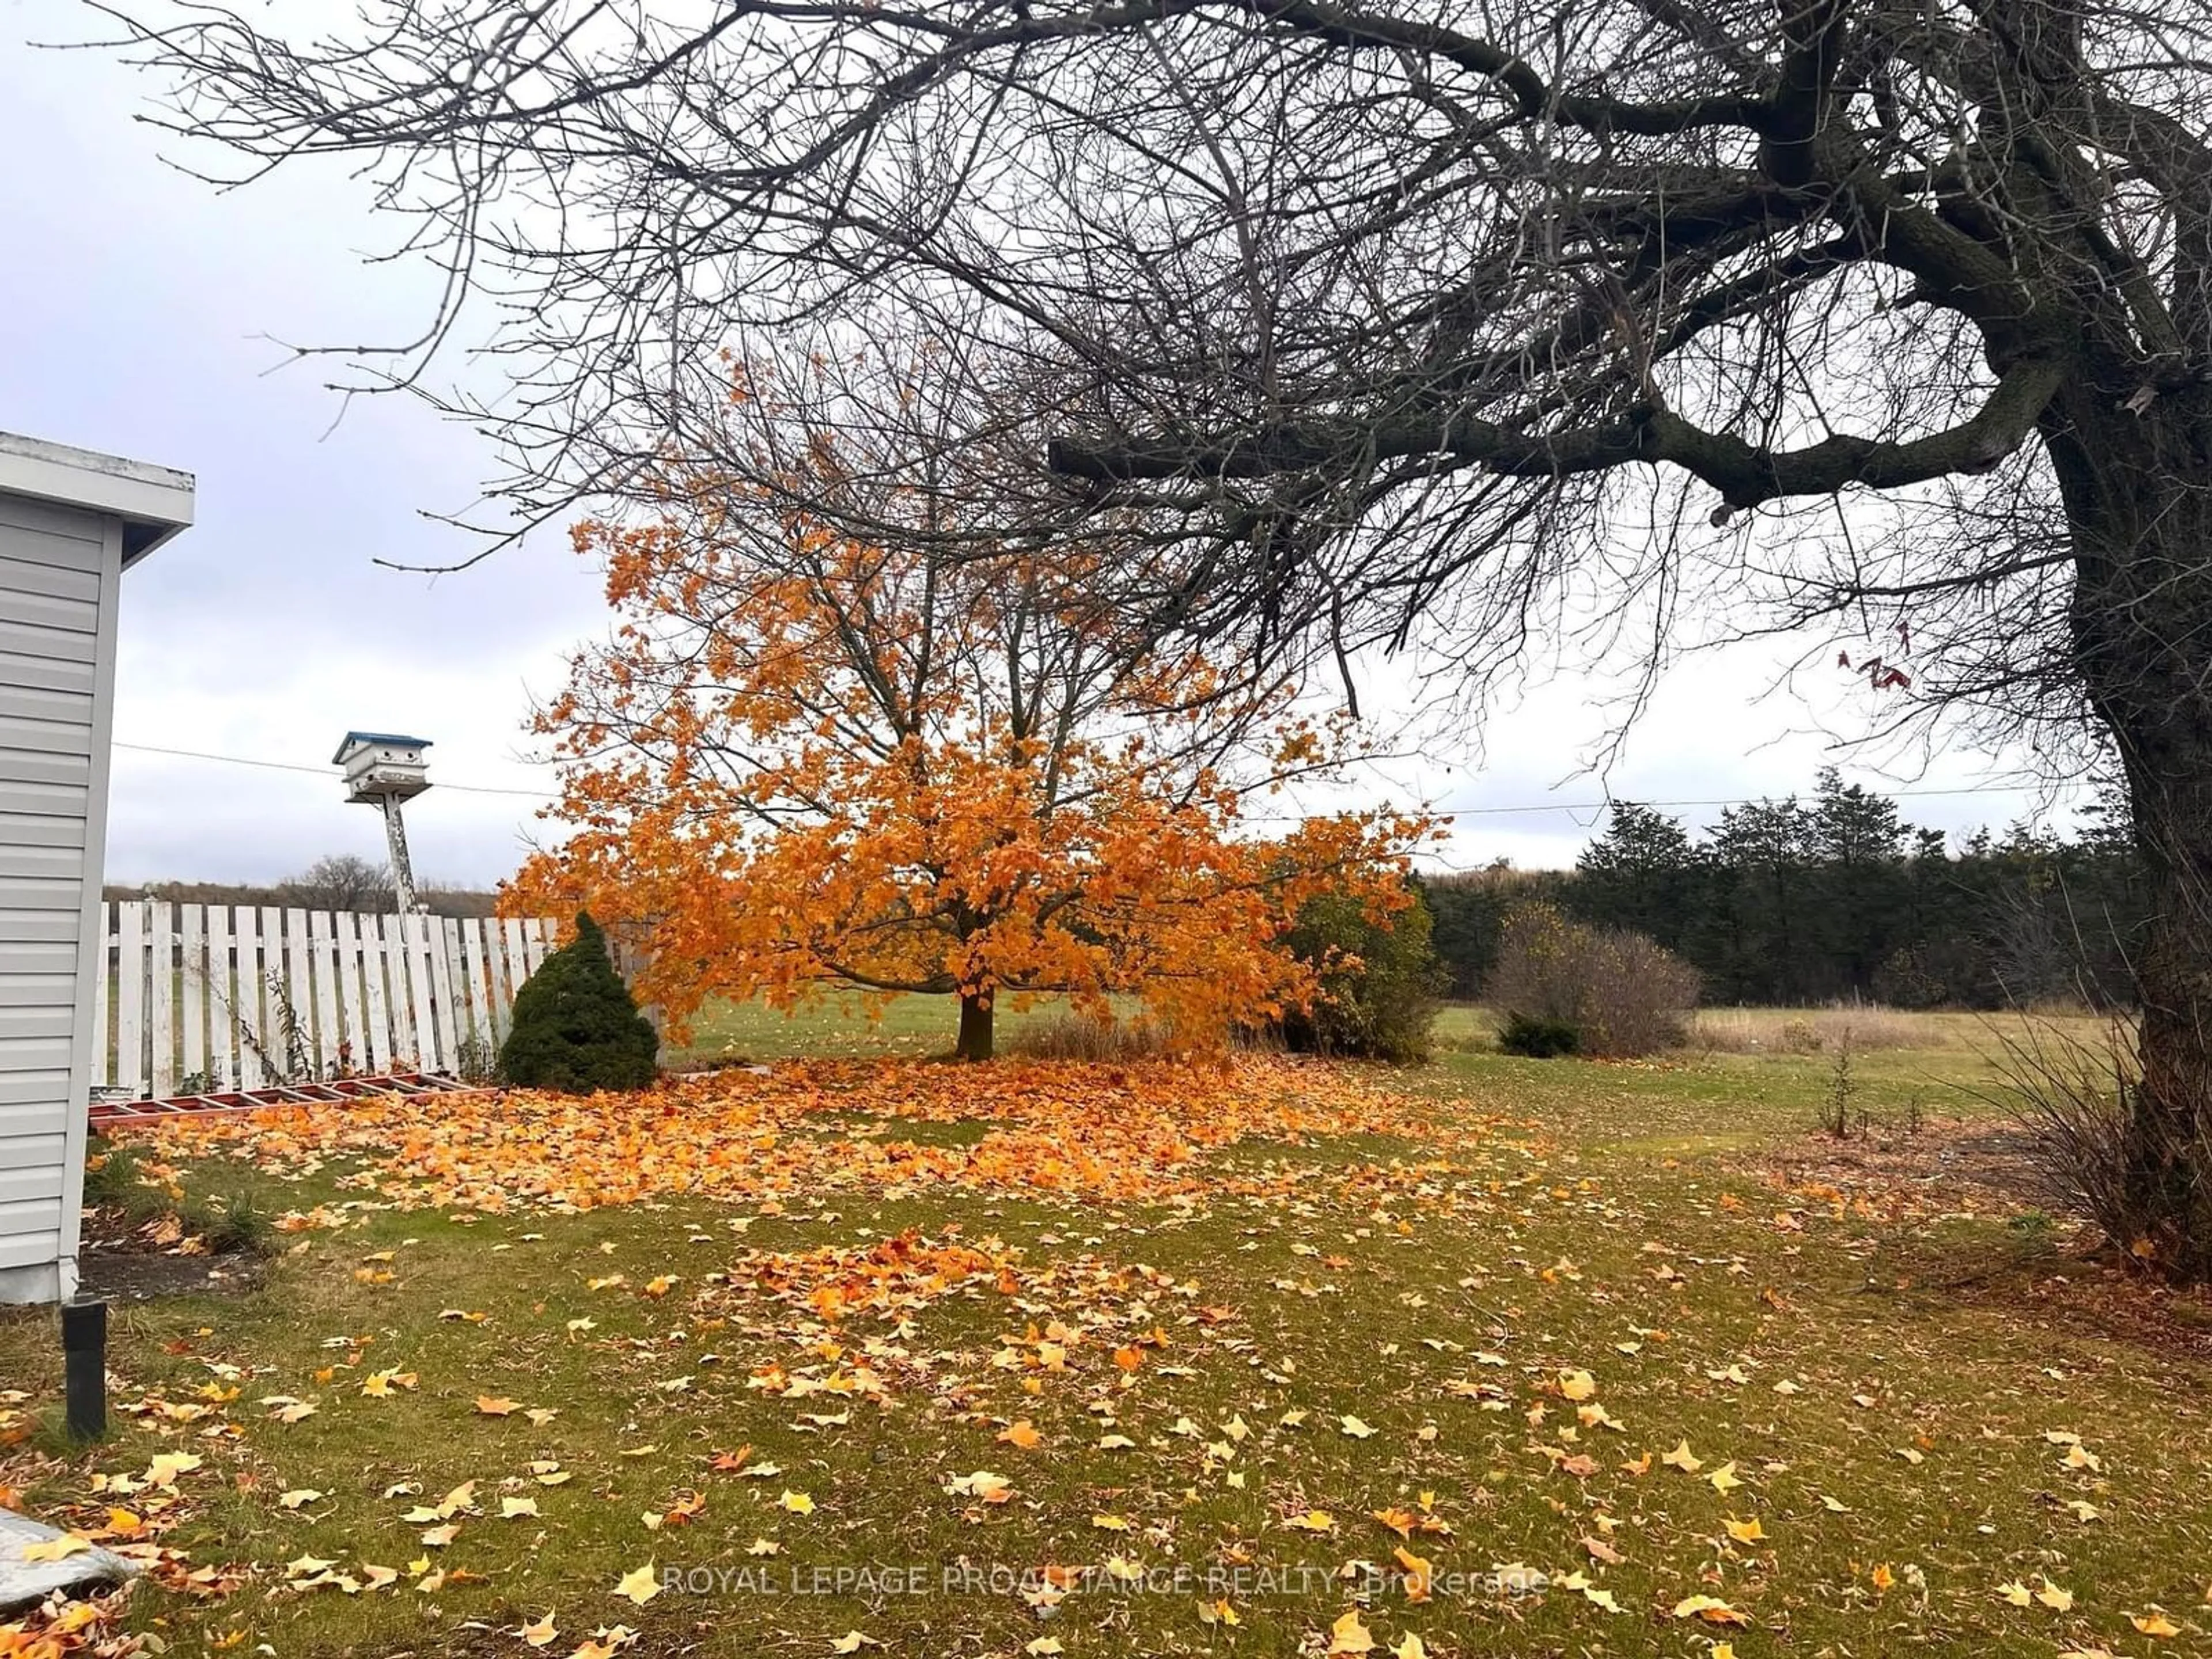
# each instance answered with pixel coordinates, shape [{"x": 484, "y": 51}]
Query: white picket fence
[{"x": 204, "y": 997}]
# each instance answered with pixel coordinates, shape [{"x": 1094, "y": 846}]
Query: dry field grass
[{"x": 1867, "y": 1026}]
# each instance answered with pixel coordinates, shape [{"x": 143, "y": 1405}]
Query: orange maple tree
[{"x": 809, "y": 757}]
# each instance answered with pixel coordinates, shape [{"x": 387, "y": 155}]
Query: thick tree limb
[{"x": 1745, "y": 474}]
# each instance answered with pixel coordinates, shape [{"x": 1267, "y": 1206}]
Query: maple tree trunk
[
  {"x": 975, "y": 1029},
  {"x": 2169, "y": 1116},
  {"x": 2168, "y": 1158},
  {"x": 2142, "y": 627}
]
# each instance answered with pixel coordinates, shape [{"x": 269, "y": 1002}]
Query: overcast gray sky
[{"x": 138, "y": 312}]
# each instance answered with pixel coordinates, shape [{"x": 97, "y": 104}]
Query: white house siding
[{"x": 60, "y": 570}]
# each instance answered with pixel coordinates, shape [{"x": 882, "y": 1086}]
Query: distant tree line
[
  {"x": 1796, "y": 901},
  {"x": 337, "y": 881}
]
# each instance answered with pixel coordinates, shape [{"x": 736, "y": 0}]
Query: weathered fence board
[
  {"x": 130, "y": 976},
  {"x": 481, "y": 1008},
  {"x": 162, "y": 995},
  {"x": 192, "y": 931},
  {"x": 408, "y": 987},
  {"x": 102, "y": 1032},
  {"x": 201, "y": 998},
  {"x": 246, "y": 1015},
  {"x": 223, "y": 1040},
  {"x": 324, "y": 974},
  {"x": 377, "y": 1033}
]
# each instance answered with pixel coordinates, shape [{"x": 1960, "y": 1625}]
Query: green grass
[
  {"x": 1633, "y": 1226},
  {"x": 844, "y": 1026}
]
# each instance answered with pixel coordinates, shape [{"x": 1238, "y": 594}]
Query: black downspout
[{"x": 84, "y": 1360}]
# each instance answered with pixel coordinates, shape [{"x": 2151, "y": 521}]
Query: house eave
[{"x": 154, "y": 502}]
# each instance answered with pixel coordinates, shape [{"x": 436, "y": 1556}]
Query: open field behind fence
[
  {"x": 1963, "y": 1040},
  {"x": 1863, "y": 1027}
]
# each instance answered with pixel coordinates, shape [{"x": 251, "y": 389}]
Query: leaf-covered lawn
[{"x": 908, "y": 1358}]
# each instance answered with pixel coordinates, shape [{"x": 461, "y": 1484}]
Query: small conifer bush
[{"x": 576, "y": 1029}]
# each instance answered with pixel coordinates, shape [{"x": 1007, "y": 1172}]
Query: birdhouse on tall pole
[{"x": 384, "y": 769}]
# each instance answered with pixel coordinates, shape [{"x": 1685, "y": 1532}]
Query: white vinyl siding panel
[
  {"x": 53, "y": 534},
  {"x": 47, "y": 737},
  {"x": 65, "y": 778},
  {"x": 21, "y": 831},
  {"x": 58, "y": 586},
  {"x": 46, "y": 1091},
  {"x": 31, "y": 1135},
  {"x": 40, "y": 863},
  {"x": 26, "y": 992},
  {"x": 29, "y": 1248},
  {"x": 40, "y": 892},
  {"x": 39, "y": 1214},
  {"x": 58, "y": 574},
  {"x": 40, "y": 640},
  {"x": 36, "y": 927},
  {"x": 23, "y": 671},
  {"x": 31, "y": 1184}
]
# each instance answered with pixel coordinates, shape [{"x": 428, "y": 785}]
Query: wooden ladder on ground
[{"x": 110, "y": 1112}]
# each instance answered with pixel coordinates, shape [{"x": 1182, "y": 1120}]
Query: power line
[
  {"x": 316, "y": 771},
  {"x": 1457, "y": 813},
  {"x": 1731, "y": 801},
  {"x": 1637, "y": 801}
]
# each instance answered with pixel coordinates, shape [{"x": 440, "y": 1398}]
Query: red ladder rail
[{"x": 338, "y": 1090}]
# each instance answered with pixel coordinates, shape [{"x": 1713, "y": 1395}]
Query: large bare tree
[{"x": 1385, "y": 308}]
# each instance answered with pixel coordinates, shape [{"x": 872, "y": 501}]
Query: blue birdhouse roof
[{"x": 353, "y": 739}]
